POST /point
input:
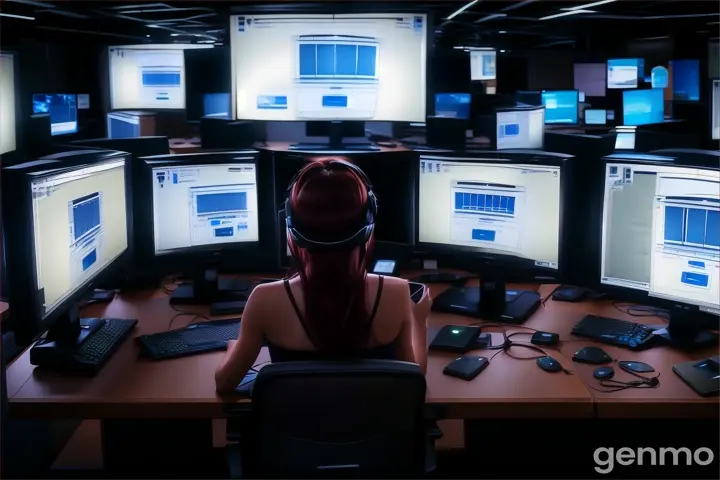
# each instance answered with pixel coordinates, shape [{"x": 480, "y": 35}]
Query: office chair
[{"x": 360, "y": 419}]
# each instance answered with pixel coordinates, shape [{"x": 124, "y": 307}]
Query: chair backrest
[{"x": 361, "y": 419}]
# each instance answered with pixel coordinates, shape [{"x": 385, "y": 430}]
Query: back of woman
[{"x": 332, "y": 308}]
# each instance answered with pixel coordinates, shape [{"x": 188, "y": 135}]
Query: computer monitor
[
  {"x": 625, "y": 139},
  {"x": 496, "y": 206},
  {"x": 595, "y": 116},
  {"x": 75, "y": 225},
  {"x": 453, "y": 105},
  {"x": 148, "y": 76},
  {"x": 686, "y": 80},
  {"x": 661, "y": 231},
  {"x": 62, "y": 108},
  {"x": 520, "y": 128},
  {"x": 363, "y": 66},
  {"x": 624, "y": 72},
  {"x": 216, "y": 105},
  {"x": 8, "y": 119},
  {"x": 715, "y": 121},
  {"x": 209, "y": 204},
  {"x": 590, "y": 78},
  {"x": 643, "y": 107},
  {"x": 83, "y": 101},
  {"x": 561, "y": 106},
  {"x": 483, "y": 65}
]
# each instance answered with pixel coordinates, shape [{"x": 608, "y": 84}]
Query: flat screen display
[
  {"x": 561, "y": 106},
  {"x": 452, "y": 105},
  {"x": 590, "y": 78},
  {"x": 643, "y": 107},
  {"x": 624, "y": 72},
  {"x": 482, "y": 65},
  {"x": 686, "y": 80},
  {"x": 329, "y": 67},
  {"x": 595, "y": 116},
  {"x": 625, "y": 141},
  {"x": 62, "y": 108},
  {"x": 8, "y": 142},
  {"x": 522, "y": 128}
]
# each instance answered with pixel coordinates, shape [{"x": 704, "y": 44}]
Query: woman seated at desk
[{"x": 332, "y": 309}]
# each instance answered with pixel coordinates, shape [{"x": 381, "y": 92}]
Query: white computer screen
[
  {"x": 595, "y": 116},
  {"x": 7, "y": 104},
  {"x": 625, "y": 141},
  {"x": 80, "y": 227},
  {"x": 521, "y": 129},
  {"x": 661, "y": 231},
  {"x": 483, "y": 65},
  {"x": 148, "y": 76},
  {"x": 329, "y": 67},
  {"x": 509, "y": 209},
  {"x": 623, "y": 73},
  {"x": 203, "y": 205},
  {"x": 716, "y": 110}
]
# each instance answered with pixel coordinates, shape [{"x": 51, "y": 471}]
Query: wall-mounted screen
[
  {"x": 686, "y": 80},
  {"x": 62, "y": 108},
  {"x": 329, "y": 67},
  {"x": 8, "y": 142},
  {"x": 482, "y": 65},
  {"x": 561, "y": 106},
  {"x": 624, "y": 72},
  {"x": 148, "y": 76},
  {"x": 590, "y": 78},
  {"x": 643, "y": 107}
]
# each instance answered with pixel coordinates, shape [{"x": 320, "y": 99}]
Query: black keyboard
[
  {"x": 194, "y": 339},
  {"x": 91, "y": 354},
  {"x": 613, "y": 331}
]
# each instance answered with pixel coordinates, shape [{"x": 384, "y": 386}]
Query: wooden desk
[{"x": 285, "y": 147}]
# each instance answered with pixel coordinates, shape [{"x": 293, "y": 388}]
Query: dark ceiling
[{"x": 507, "y": 24}]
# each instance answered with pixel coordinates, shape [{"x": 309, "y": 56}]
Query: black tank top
[{"x": 279, "y": 354}]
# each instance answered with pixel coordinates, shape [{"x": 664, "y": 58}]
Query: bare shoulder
[
  {"x": 395, "y": 286},
  {"x": 267, "y": 290}
]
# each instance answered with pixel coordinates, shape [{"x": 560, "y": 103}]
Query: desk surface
[
  {"x": 285, "y": 147},
  {"x": 131, "y": 387}
]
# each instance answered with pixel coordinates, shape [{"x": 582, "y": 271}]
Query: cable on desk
[
  {"x": 642, "y": 311},
  {"x": 182, "y": 313}
]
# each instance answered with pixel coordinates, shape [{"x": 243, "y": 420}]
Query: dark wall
[{"x": 551, "y": 69}]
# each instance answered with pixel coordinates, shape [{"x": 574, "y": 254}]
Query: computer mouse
[
  {"x": 604, "y": 373},
  {"x": 549, "y": 364},
  {"x": 592, "y": 356}
]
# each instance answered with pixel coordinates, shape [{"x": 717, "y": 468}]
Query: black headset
[{"x": 307, "y": 240}]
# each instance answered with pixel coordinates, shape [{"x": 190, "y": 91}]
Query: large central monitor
[
  {"x": 8, "y": 141},
  {"x": 661, "y": 231},
  {"x": 207, "y": 205},
  {"x": 493, "y": 207},
  {"x": 368, "y": 67}
]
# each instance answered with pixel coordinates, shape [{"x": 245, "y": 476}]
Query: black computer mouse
[
  {"x": 604, "y": 373},
  {"x": 549, "y": 364},
  {"x": 592, "y": 355}
]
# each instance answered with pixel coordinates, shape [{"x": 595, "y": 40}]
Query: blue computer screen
[
  {"x": 686, "y": 80},
  {"x": 643, "y": 107},
  {"x": 216, "y": 104},
  {"x": 624, "y": 72},
  {"x": 62, "y": 108},
  {"x": 561, "y": 106},
  {"x": 595, "y": 116},
  {"x": 455, "y": 105}
]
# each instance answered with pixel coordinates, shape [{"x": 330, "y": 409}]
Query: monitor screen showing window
[
  {"x": 366, "y": 67},
  {"x": 482, "y": 65},
  {"x": 522, "y": 128},
  {"x": 624, "y": 72},
  {"x": 452, "y": 105},
  {"x": 507, "y": 209},
  {"x": 7, "y": 103},
  {"x": 686, "y": 80},
  {"x": 204, "y": 205},
  {"x": 148, "y": 76},
  {"x": 561, "y": 106},
  {"x": 62, "y": 108},
  {"x": 595, "y": 116},
  {"x": 79, "y": 226},
  {"x": 643, "y": 107},
  {"x": 661, "y": 231}
]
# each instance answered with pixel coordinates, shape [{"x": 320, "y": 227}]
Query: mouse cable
[
  {"x": 641, "y": 311},
  {"x": 534, "y": 348}
]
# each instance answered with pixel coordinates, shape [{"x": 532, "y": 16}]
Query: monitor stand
[
  {"x": 491, "y": 301},
  {"x": 207, "y": 288},
  {"x": 335, "y": 143},
  {"x": 67, "y": 334},
  {"x": 688, "y": 329}
]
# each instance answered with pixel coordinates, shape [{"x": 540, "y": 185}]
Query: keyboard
[
  {"x": 194, "y": 339},
  {"x": 613, "y": 331},
  {"x": 92, "y": 353}
]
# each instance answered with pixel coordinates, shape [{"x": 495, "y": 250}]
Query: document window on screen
[
  {"x": 505, "y": 209},
  {"x": 204, "y": 205},
  {"x": 329, "y": 67},
  {"x": 80, "y": 227},
  {"x": 661, "y": 232},
  {"x": 520, "y": 129}
]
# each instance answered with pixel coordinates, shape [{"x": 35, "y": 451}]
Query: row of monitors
[{"x": 660, "y": 221}]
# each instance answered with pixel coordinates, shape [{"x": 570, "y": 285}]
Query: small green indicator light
[{"x": 456, "y": 332}]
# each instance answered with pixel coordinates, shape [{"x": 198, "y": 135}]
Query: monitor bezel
[
  {"x": 465, "y": 257},
  {"x": 20, "y": 240},
  {"x": 616, "y": 291},
  {"x": 202, "y": 254},
  {"x": 577, "y": 106},
  {"x": 344, "y": 8}
]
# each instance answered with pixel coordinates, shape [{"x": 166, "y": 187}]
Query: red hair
[{"x": 329, "y": 202}]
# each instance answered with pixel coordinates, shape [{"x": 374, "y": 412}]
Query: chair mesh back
[{"x": 340, "y": 420}]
